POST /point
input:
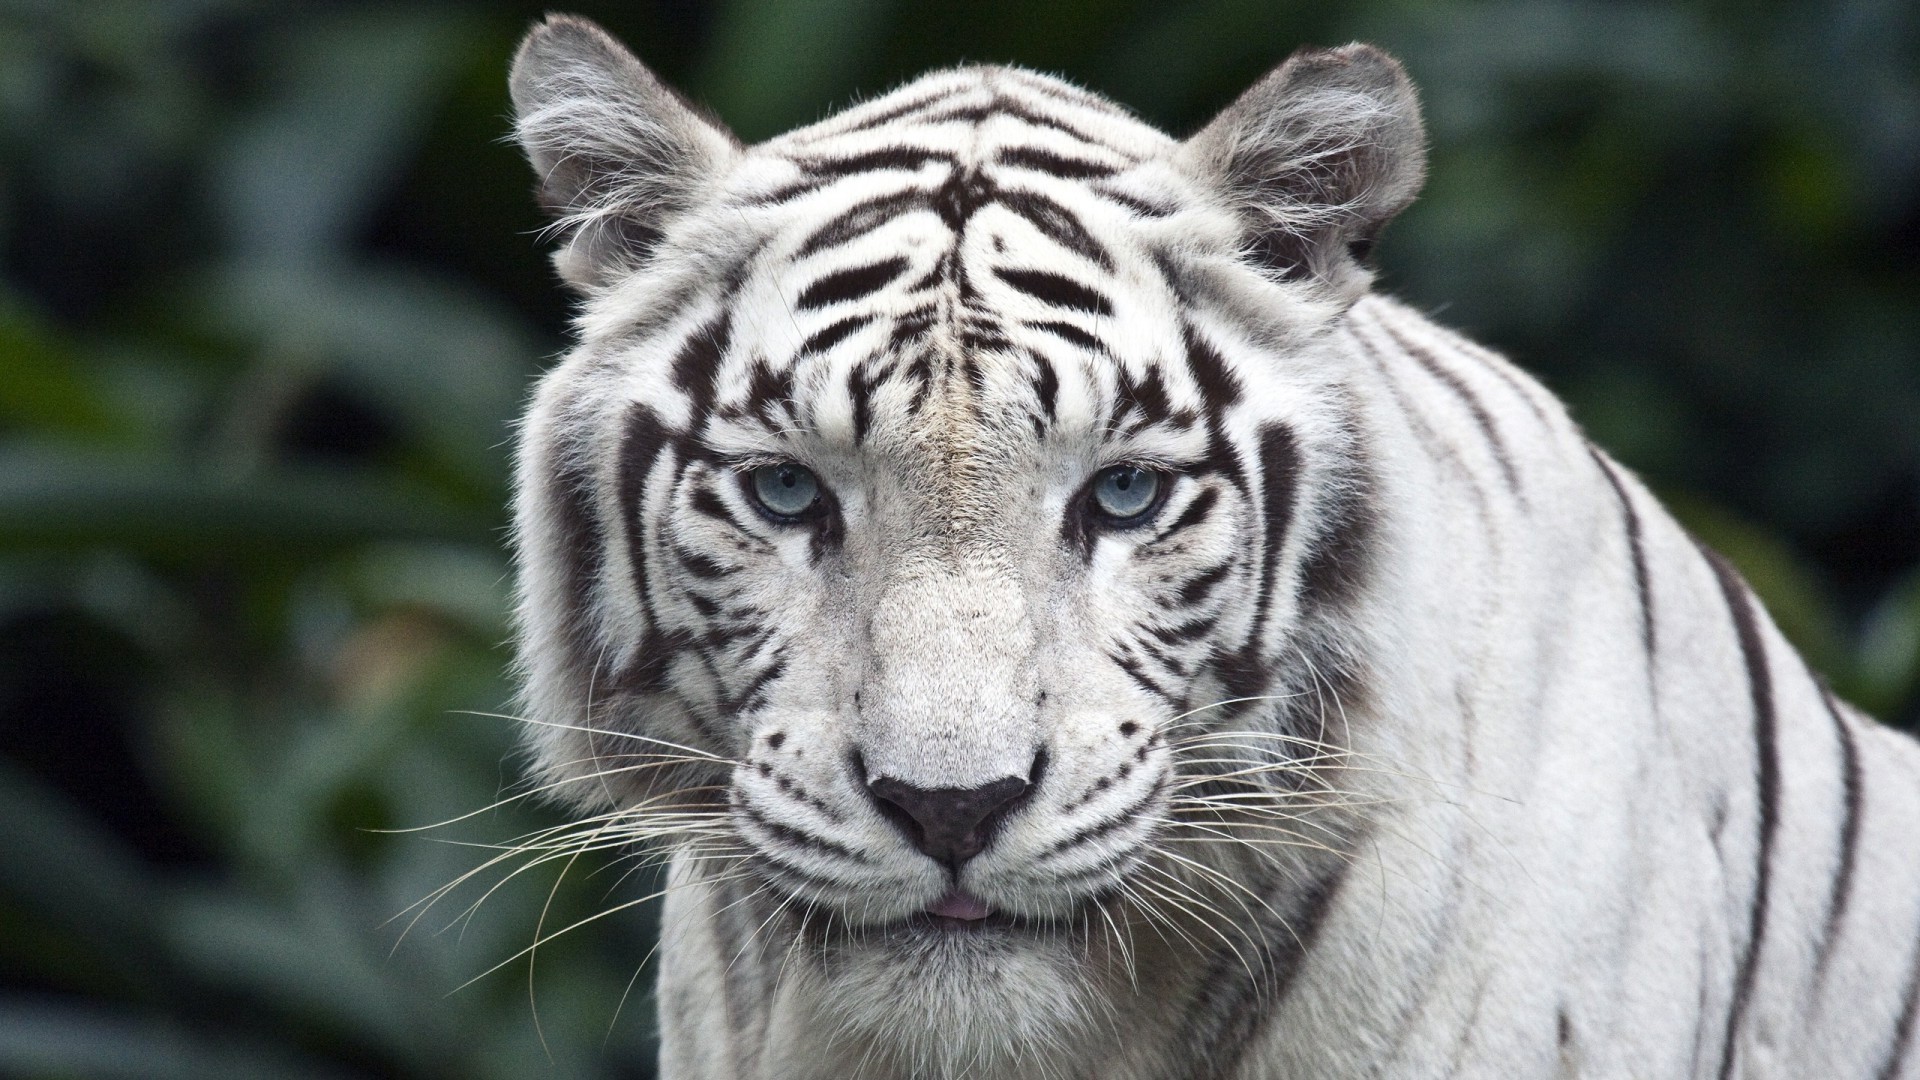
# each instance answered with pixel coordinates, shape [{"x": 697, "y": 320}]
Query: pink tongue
[{"x": 960, "y": 905}]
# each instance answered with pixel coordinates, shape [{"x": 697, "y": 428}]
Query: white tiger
[{"x": 1066, "y": 626}]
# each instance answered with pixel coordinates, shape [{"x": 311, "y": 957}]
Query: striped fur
[{"x": 1409, "y": 737}]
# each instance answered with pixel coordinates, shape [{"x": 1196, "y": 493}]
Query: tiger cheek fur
[{"x": 1063, "y": 625}]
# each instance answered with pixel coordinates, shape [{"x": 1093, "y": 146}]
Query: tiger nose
[{"x": 949, "y": 825}]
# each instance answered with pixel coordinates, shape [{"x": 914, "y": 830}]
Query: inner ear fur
[
  {"x": 1316, "y": 158},
  {"x": 617, "y": 152}
]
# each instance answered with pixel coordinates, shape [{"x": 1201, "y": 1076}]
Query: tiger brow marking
[
  {"x": 1040, "y": 159},
  {"x": 696, "y": 367},
  {"x": 1069, "y": 332},
  {"x": 1056, "y": 223},
  {"x": 890, "y": 158},
  {"x": 862, "y": 218},
  {"x": 908, "y": 108},
  {"x": 824, "y": 170},
  {"x": 1453, "y": 382},
  {"x": 1850, "y": 810},
  {"x": 850, "y": 284},
  {"x": 833, "y": 334},
  {"x": 1046, "y": 384},
  {"x": 1760, "y": 687},
  {"x": 1055, "y": 289},
  {"x": 976, "y": 114},
  {"x": 1140, "y": 206}
]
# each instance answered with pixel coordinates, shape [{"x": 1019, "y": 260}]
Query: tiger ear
[
  {"x": 617, "y": 152},
  {"x": 1316, "y": 158}
]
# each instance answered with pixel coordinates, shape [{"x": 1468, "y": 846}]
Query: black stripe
[
  {"x": 706, "y": 503},
  {"x": 908, "y": 107},
  {"x": 1056, "y": 290},
  {"x": 1467, "y": 397},
  {"x": 1841, "y": 895},
  {"x": 1046, "y": 385},
  {"x": 1495, "y": 364},
  {"x": 1279, "y": 461},
  {"x": 1071, "y": 333},
  {"x": 697, "y": 364},
  {"x": 794, "y": 837},
  {"x": 908, "y": 158},
  {"x": 833, "y": 334},
  {"x": 1134, "y": 203},
  {"x": 1144, "y": 400},
  {"x": 862, "y": 218},
  {"x": 1228, "y": 1009},
  {"x": 768, "y": 390},
  {"x": 1636, "y": 545},
  {"x": 753, "y": 693},
  {"x": 1183, "y": 632},
  {"x": 1133, "y": 669},
  {"x": 737, "y": 923},
  {"x": 701, "y": 566},
  {"x": 1201, "y": 587},
  {"x": 843, "y": 285},
  {"x": 1195, "y": 511},
  {"x": 1113, "y": 822},
  {"x": 860, "y": 388},
  {"x": 1336, "y": 565},
  {"x": 1219, "y": 387},
  {"x": 958, "y": 199},
  {"x": 1056, "y": 223},
  {"x": 645, "y": 439},
  {"x": 1753, "y": 651},
  {"x": 975, "y": 114},
  {"x": 1046, "y": 161},
  {"x": 823, "y": 172},
  {"x": 1903, "y": 1030}
]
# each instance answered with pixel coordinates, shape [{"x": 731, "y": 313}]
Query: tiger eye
[
  {"x": 1124, "y": 494},
  {"x": 785, "y": 490}
]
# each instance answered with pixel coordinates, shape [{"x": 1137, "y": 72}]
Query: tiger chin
[{"x": 1060, "y": 622}]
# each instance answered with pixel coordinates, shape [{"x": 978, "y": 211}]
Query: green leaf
[
  {"x": 53, "y": 500},
  {"x": 41, "y": 1040},
  {"x": 44, "y": 386},
  {"x": 778, "y": 63},
  {"x": 354, "y": 91}
]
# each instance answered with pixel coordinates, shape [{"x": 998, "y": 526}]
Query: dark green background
[{"x": 272, "y": 295}]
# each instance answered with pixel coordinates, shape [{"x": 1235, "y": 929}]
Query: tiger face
[{"x": 929, "y": 484}]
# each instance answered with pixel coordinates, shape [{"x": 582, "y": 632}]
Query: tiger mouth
[
  {"x": 961, "y": 912},
  {"x": 959, "y": 915}
]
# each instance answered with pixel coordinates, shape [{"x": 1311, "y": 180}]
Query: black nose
[{"x": 951, "y": 825}]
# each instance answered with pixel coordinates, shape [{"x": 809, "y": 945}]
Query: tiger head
[{"x": 951, "y": 508}]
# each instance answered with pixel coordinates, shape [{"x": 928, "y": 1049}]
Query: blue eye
[
  {"x": 785, "y": 490},
  {"x": 1123, "y": 493}
]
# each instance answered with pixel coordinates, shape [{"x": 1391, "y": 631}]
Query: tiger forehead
[
  {"x": 979, "y": 110},
  {"x": 952, "y": 269}
]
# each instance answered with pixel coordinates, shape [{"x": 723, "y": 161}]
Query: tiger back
[{"x": 1063, "y": 623}]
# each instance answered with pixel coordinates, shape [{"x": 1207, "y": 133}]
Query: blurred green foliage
[{"x": 272, "y": 296}]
